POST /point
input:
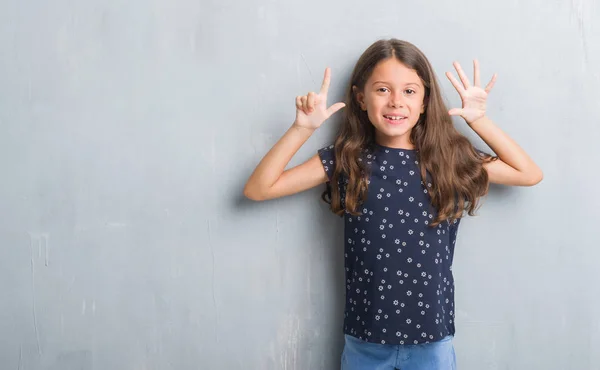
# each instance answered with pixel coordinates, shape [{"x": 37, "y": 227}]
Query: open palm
[{"x": 473, "y": 97}]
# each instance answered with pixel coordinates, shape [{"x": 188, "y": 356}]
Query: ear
[
  {"x": 424, "y": 106},
  {"x": 360, "y": 97}
]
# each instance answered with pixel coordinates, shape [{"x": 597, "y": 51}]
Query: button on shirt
[{"x": 398, "y": 269}]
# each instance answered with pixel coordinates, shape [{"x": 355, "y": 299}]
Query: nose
[{"x": 396, "y": 100}]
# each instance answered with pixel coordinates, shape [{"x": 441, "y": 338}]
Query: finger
[
  {"x": 310, "y": 101},
  {"x": 455, "y": 83},
  {"x": 326, "y": 81},
  {"x": 476, "y": 79},
  {"x": 491, "y": 84},
  {"x": 299, "y": 102},
  {"x": 334, "y": 108},
  {"x": 455, "y": 112},
  {"x": 462, "y": 75},
  {"x": 303, "y": 100}
]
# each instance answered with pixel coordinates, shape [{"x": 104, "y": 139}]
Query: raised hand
[
  {"x": 473, "y": 97},
  {"x": 311, "y": 109}
]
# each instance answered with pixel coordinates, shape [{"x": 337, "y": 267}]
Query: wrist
[
  {"x": 303, "y": 129},
  {"x": 478, "y": 121}
]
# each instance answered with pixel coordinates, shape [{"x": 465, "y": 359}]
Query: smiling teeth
[{"x": 394, "y": 118}]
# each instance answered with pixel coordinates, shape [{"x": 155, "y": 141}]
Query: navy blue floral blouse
[{"x": 399, "y": 283}]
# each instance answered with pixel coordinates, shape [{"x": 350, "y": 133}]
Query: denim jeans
[{"x": 361, "y": 355}]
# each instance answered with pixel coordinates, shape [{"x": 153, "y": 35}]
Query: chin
[{"x": 394, "y": 131}]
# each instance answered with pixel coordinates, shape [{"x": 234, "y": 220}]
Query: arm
[
  {"x": 514, "y": 166},
  {"x": 269, "y": 180}
]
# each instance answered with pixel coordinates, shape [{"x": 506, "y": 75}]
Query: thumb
[
  {"x": 334, "y": 108},
  {"x": 455, "y": 112}
]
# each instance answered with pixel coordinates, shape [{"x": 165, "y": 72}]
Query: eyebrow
[{"x": 408, "y": 84}]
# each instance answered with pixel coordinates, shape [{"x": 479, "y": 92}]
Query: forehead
[{"x": 393, "y": 71}]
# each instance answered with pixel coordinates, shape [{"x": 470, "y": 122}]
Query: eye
[
  {"x": 409, "y": 92},
  {"x": 383, "y": 89}
]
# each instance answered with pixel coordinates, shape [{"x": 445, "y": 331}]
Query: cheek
[
  {"x": 416, "y": 107},
  {"x": 374, "y": 104}
]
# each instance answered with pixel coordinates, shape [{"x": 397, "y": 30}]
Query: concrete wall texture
[{"x": 127, "y": 132}]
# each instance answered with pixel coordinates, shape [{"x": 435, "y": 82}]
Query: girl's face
[{"x": 394, "y": 99}]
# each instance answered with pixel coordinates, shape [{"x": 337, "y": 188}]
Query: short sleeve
[
  {"x": 327, "y": 156},
  {"x": 483, "y": 153}
]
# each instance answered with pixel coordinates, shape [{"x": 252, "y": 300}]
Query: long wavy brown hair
[{"x": 447, "y": 159}]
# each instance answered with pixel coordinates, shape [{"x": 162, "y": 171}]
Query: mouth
[{"x": 394, "y": 120}]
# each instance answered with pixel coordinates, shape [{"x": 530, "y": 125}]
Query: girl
[{"x": 402, "y": 177}]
